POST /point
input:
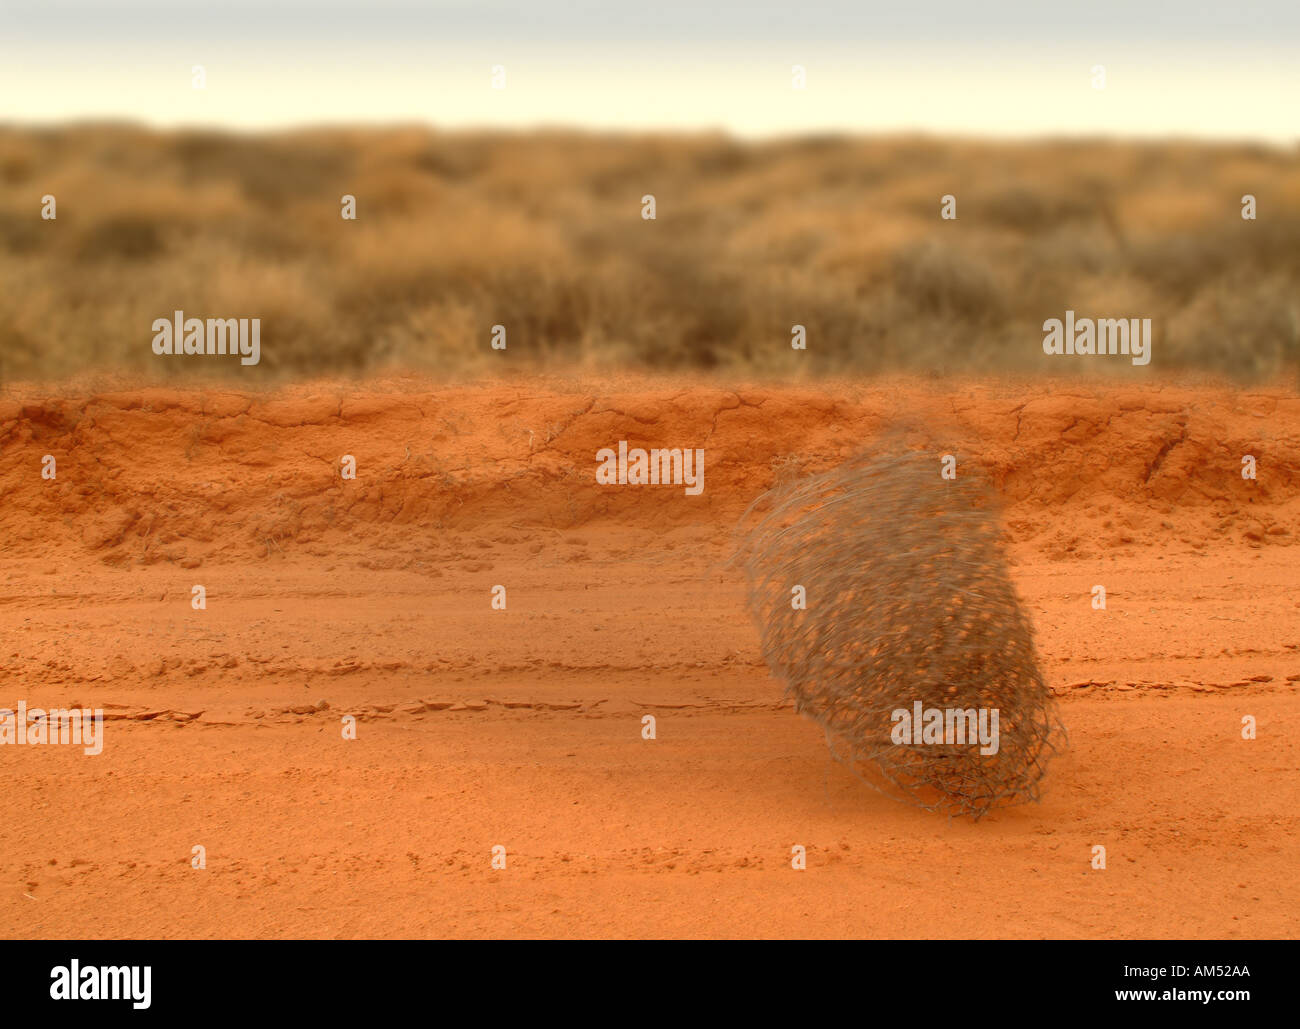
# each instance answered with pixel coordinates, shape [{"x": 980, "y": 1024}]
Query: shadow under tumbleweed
[{"x": 883, "y": 601}]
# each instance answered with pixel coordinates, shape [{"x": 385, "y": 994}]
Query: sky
[{"x": 1007, "y": 68}]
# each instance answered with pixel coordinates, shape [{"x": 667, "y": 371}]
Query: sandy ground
[{"x": 522, "y": 728}]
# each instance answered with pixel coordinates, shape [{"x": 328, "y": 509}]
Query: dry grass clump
[
  {"x": 542, "y": 233},
  {"x": 906, "y": 600}
]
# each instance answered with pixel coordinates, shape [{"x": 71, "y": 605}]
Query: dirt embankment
[{"x": 195, "y": 475}]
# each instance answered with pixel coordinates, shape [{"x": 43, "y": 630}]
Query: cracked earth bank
[{"x": 522, "y": 728}]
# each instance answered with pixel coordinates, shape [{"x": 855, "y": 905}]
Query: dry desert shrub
[
  {"x": 908, "y": 602},
  {"x": 542, "y": 232}
]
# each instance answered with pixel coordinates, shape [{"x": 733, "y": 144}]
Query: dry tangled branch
[{"x": 908, "y": 601}]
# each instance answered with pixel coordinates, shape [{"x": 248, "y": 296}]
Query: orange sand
[{"x": 523, "y": 728}]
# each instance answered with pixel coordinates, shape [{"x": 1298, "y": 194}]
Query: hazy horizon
[{"x": 1012, "y": 71}]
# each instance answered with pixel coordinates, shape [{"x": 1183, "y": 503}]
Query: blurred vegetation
[{"x": 543, "y": 233}]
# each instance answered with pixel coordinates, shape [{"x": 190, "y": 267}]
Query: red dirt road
[{"x": 522, "y": 728}]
